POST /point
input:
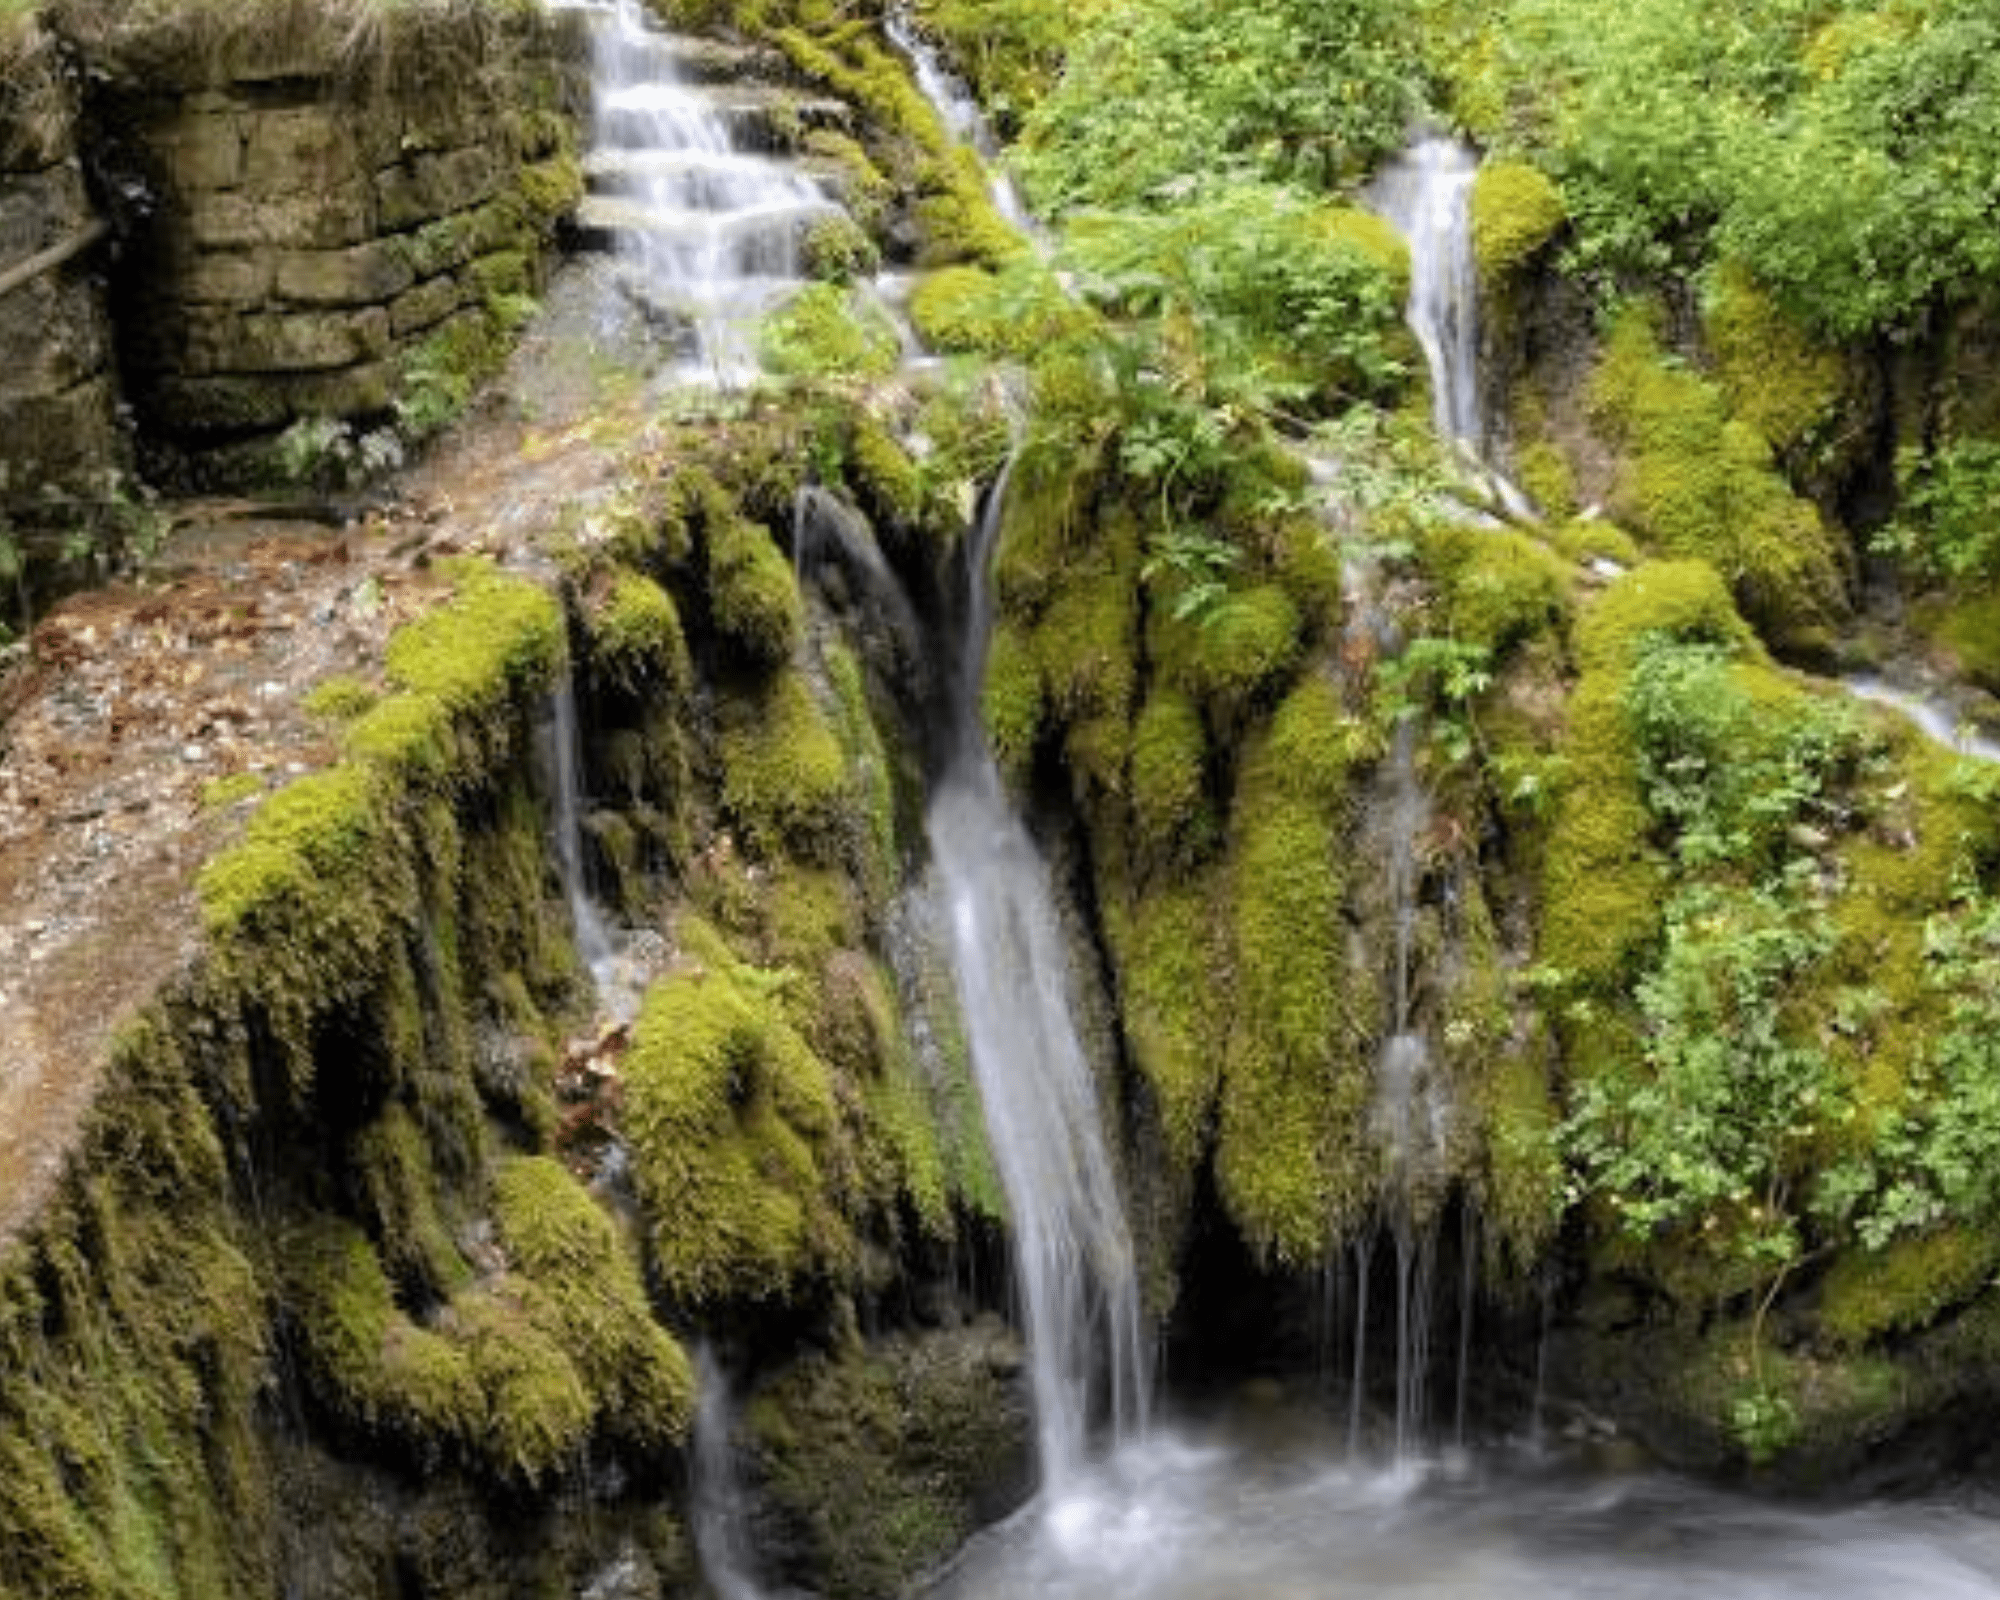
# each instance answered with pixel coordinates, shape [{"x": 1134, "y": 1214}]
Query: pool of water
[{"x": 1219, "y": 1516}]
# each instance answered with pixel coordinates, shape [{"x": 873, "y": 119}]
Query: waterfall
[
  {"x": 1073, "y": 1253},
  {"x": 718, "y": 1509},
  {"x": 952, "y": 99},
  {"x": 1932, "y": 715},
  {"x": 593, "y": 938},
  {"x": 1426, "y": 193},
  {"x": 712, "y": 232}
]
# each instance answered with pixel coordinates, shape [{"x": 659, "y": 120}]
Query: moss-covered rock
[
  {"x": 828, "y": 331},
  {"x": 1516, "y": 213},
  {"x": 878, "y": 1463},
  {"x": 1777, "y": 378},
  {"x": 731, "y": 1120},
  {"x": 785, "y": 778},
  {"x": 1696, "y": 481}
]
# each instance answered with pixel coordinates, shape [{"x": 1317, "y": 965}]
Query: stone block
[
  {"x": 431, "y": 186},
  {"x": 183, "y": 406},
  {"x": 54, "y": 334},
  {"x": 287, "y": 342},
  {"x": 230, "y": 277},
  {"x": 361, "y": 391},
  {"x": 429, "y": 303},
  {"x": 203, "y": 151},
  {"x": 310, "y": 219},
  {"x": 299, "y": 149},
  {"x": 62, "y": 439},
  {"x": 450, "y": 242},
  {"x": 364, "y": 274}
]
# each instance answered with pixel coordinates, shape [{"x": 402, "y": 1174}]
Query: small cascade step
[
  {"x": 763, "y": 240},
  {"x": 753, "y": 118},
  {"x": 695, "y": 180}
]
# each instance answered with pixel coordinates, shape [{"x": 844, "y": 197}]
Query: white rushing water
[
  {"x": 1426, "y": 194},
  {"x": 718, "y": 1508},
  {"x": 1074, "y": 1263},
  {"x": 1932, "y": 716},
  {"x": 712, "y": 231},
  {"x": 1265, "y": 1516},
  {"x": 952, "y": 99}
]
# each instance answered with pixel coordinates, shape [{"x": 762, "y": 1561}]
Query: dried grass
[
  {"x": 363, "y": 45},
  {"x": 35, "y": 108}
]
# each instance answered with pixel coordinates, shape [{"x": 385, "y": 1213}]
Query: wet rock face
[
  {"x": 872, "y": 1466},
  {"x": 58, "y": 398}
]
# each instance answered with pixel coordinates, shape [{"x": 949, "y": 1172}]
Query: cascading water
[
  {"x": 593, "y": 939},
  {"x": 718, "y": 1506},
  {"x": 1426, "y": 194},
  {"x": 958, "y": 111},
  {"x": 1073, "y": 1254},
  {"x": 712, "y": 232},
  {"x": 1932, "y": 715}
]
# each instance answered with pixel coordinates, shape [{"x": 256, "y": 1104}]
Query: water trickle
[
  {"x": 953, "y": 101},
  {"x": 1074, "y": 1261},
  {"x": 1933, "y": 716},
  {"x": 1426, "y": 194},
  {"x": 712, "y": 231},
  {"x": 593, "y": 939},
  {"x": 719, "y": 1508}
]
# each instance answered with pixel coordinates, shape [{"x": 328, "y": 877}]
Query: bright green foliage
[
  {"x": 1274, "y": 288},
  {"x": 1516, "y": 212},
  {"x": 826, "y": 331},
  {"x": 1171, "y": 813},
  {"x": 1696, "y": 481},
  {"x": 1011, "y": 51},
  {"x": 731, "y": 1120},
  {"x": 1948, "y": 526},
  {"x": 1155, "y": 92},
  {"x": 1907, "y": 1284}
]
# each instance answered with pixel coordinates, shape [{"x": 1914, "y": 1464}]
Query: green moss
[
  {"x": 538, "y": 1409},
  {"x": 1545, "y": 476},
  {"x": 866, "y": 756},
  {"x": 1288, "y": 1159},
  {"x": 323, "y": 828},
  {"x": 1778, "y": 380},
  {"x": 1171, "y": 813},
  {"x": 340, "y": 698},
  {"x": 219, "y": 794},
  {"x": 880, "y": 1463},
  {"x": 752, "y": 595},
  {"x": 1516, "y": 212},
  {"x": 1365, "y": 233},
  {"x": 1602, "y": 881},
  {"x": 1012, "y": 701},
  {"x": 497, "y": 637},
  {"x": 885, "y": 479},
  {"x": 837, "y": 249},
  {"x": 589, "y": 1299},
  {"x": 367, "y": 1360},
  {"x": 399, "y": 1194},
  {"x": 1584, "y": 539},
  {"x": 551, "y": 188},
  {"x": 1968, "y": 630},
  {"x": 1868, "y": 1294},
  {"x": 785, "y": 778},
  {"x": 1305, "y": 562},
  {"x": 1696, "y": 481},
  {"x": 1523, "y": 1202},
  {"x": 866, "y": 194},
  {"x": 1501, "y": 589},
  {"x": 730, "y": 1116},
  {"x": 636, "y": 639},
  {"x": 1016, "y": 312},
  {"x": 828, "y": 331},
  {"x": 1237, "y": 654}
]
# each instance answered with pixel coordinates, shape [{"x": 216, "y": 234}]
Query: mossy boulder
[
  {"x": 829, "y": 331},
  {"x": 1695, "y": 480},
  {"x": 1778, "y": 379},
  {"x": 1516, "y": 214},
  {"x": 731, "y": 1120},
  {"x": 877, "y": 1463}
]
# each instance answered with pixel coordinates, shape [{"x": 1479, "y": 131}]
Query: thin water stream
[{"x": 1074, "y": 1265}]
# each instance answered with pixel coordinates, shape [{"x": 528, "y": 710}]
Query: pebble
[{"x": 193, "y": 753}]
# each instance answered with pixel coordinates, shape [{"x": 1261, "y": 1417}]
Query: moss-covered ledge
[{"x": 303, "y": 1205}]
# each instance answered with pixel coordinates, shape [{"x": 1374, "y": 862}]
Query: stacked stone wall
[
  {"x": 297, "y": 234},
  {"x": 59, "y": 427}
]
